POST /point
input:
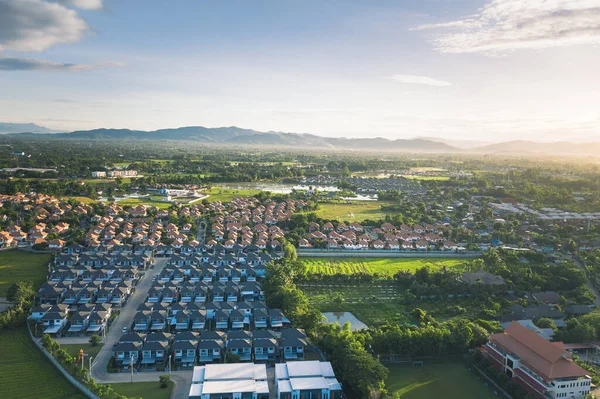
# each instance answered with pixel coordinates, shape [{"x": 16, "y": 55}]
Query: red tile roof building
[{"x": 543, "y": 368}]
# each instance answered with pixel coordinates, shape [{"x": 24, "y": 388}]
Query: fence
[
  {"x": 60, "y": 368},
  {"x": 373, "y": 253}
]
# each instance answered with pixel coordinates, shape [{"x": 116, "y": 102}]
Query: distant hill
[
  {"x": 237, "y": 136},
  {"x": 9, "y": 128},
  {"x": 462, "y": 144},
  {"x": 532, "y": 147}
]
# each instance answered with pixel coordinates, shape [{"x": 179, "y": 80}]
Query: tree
[
  {"x": 289, "y": 251},
  {"x": 95, "y": 340},
  {"x": 20, "y": 294},
  {"x": 545, "y": 322},
  {"x": 164, "y": 380}
]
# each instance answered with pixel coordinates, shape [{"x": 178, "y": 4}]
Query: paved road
[{"x": 182, "y": 379}]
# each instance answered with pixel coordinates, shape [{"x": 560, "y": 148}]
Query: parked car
[{"x": 125, "y": 329}]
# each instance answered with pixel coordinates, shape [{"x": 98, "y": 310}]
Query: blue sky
[{"x": 473, "y": 69}]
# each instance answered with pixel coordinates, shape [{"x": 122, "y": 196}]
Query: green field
[
  {"x": 143, "y": 201},
  {"x": 145, "y": 390},
  {"x": 25, "y": 372},
  {"x": 226, "y": 195},
  {"x": 421, "y": 177},
  {"x": 83, "y": 200},
  {"x": 18, "y": 266},
  {"x": 355, "y": 211},
  {"x": 381, "y": 266},
  {"x": 441, "y": 380}
]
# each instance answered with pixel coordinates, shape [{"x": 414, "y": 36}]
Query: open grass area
[
  {"x": 145, "y": 390},
  {"x": 83, "y": 200},
  {"x": 226, "y": 195},
  {"x": 355, "y": 211},
  {"x": 381, "y": 266},
  {"x": 436, "y": 380},
  {"x": 420, "y": 177},
  {"x": 25, "y": 372},
  {"x": 19, "y": 266},
  {"x": 144, "y": 201},
  {"x": 88, "y": 349}
]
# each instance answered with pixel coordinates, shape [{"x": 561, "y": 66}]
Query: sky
[{"x": 486, "y": 70}]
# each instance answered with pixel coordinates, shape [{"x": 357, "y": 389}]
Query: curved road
[{"x": 182, "y": 379}]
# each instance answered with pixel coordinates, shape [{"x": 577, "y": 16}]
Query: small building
[
  {"x": 233, "y": 380},
  {"x": 308, "y": 379}
]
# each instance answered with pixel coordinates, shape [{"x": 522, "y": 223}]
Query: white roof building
[
  {"x": 235, "y": 380},
  {"x": 298, "y": 379}
]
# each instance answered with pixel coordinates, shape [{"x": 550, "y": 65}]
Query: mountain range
[
  {"x": 238, "y": 136},
  {"x": 24, "y": 127}
]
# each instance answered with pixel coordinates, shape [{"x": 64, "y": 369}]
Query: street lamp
[
  {"x": 169, "y": 364},
  {"x": 131, "y": 367},
  {"x": 90, "y": 367}
]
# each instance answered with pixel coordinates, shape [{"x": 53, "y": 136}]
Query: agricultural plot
[
  {"x": 25, "y": 373},
  {"x": 379, "y": 266},
  {"x": 19, "y": 266},
  {"x": 355, "y": 211}
]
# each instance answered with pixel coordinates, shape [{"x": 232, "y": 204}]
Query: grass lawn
[
  {"x": 145, "y": 390},
  {"x": 419, "y": 177},
  {"x": 355, "y": 211},
  {"x": 226, "y": 195},
  {"x": 25, "y": 372},
  {"x": 88, "y": 349},
  {"x": 381, "y": 266},
  {"x": 83, "y": 200},
  {"x": 441, "y": 380},
  {"x": 19, "y": 266},
  {"x": 143, "y": 201}
]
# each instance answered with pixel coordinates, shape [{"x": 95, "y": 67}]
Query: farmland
[
  {"x": 436, "y": 380},
  {"x": 19, "y": 266},
  {"x": 355, "y": 211},
  {"x": 25, "y": 373},
  {"x": 380, "y": 266}
]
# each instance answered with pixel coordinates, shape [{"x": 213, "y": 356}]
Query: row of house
[
  {"x": 88, "y": 318},
  {"x": 187, "y": 349}
]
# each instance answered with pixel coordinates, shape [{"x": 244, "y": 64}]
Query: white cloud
[
  {"x": 34, "y": 25},
  {"x": 83, "y": 4},
  {"x": 421, "y": 80},
  {"x": 28, "y": 64},
  {"x": 506, "y": 25}
]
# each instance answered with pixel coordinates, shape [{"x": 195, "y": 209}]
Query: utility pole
[
  {"x": 131, "y": 367},
  {"x": 90, "y": 368},
  {"x": 169, "y": 364}
]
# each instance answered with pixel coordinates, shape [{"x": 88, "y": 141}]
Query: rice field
[
  {"x": 20, "y": 266},
  {"x": 25, "y": 373},
  {"x": 379, "y": 266}
]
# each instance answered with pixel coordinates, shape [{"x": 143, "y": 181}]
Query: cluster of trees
[
  {"x": 21, "y": 296},
  {"x": 355, "y": 367},
  {"x": 360, "y": 373},
  {"x": 430, "y": 338}
]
